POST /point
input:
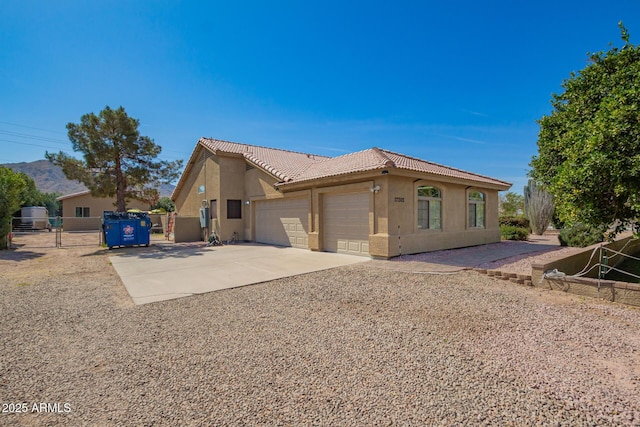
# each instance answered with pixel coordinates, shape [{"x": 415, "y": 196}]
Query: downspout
[{"x": 206, "y": 230}]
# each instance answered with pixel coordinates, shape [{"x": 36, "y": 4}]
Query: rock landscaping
[{"x": 357, "y": 345}]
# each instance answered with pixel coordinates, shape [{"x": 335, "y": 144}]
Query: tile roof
[
  {"x": 402, "y": 161},
  {"x": 283, "y": 164},
  {"x": 293, "y": 167},
  {"x": 376, "y": 158},
  {"x": 360, "y": 161}
]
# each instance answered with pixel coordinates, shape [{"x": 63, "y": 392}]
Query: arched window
[
  {"x": 429, "y": 207},
  {"x": 476, "y": 209}
]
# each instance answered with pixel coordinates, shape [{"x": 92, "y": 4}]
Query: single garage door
[
  {"x": 346, "y": 223},
  {"x": 283, "y": 222}
]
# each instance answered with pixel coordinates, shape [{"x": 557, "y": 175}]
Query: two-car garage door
[
  {"x": 283, "y": 222},
  {"x": 345, "y": 223}
]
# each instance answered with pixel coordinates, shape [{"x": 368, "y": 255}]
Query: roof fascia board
[
  {"x": 77, "y": 194},
  {"x": 332, "y": 180},
  {"x": 329, "y": 181},
  {"x": 449, "y": 179}
]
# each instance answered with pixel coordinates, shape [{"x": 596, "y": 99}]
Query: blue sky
[{"x": 458, "y": 83}]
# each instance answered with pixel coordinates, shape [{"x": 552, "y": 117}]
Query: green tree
[
  {"x": 33, "y": 197},
  {"x": 511, "y": 204},
  {"x": 589, "y": 146},
  {"x": 49, "y": 201},
  {"x": 118, "y": 161},
  {"x": 15, "y": 188},
  {"x": 29, "y": 194},
  {"x": 164, "y": 203}
]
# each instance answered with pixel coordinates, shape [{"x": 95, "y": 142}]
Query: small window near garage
[
  {"x": 429, "y": 208},
  {"x": 234, "y": 209},
  {"x": 476, "y": 209},
  {"x": 82, "y": 212}
]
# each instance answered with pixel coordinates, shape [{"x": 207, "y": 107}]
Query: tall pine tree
[{"x": 118, "y": 161}]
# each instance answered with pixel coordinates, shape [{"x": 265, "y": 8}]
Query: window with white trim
[
  {"x": 429, "y": 208},
  {"x": 476, "y": 209}
]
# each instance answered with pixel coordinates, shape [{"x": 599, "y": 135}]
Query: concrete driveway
[{"x": 168, "y": 271}]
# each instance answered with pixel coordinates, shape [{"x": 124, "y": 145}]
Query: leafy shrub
[
  {"x": 514, "y": 221},
  {"x": 580, "y": 235},
  {"x": 510, "y": 232},
  {"x": 164, "y": 203}
]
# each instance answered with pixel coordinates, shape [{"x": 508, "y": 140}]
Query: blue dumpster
[{"x": 126, "y": 228}]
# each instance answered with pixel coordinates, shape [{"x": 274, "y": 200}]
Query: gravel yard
[
  {"x": 538, "y": 249},
  {"x": 356, "y": 345}
]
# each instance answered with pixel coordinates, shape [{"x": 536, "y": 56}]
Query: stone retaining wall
[{"x": 591, "y": 286}]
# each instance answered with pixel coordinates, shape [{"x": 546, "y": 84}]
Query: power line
[
  {"x": 31, "y": 127},
  {"x": 58, "y": 141},
  {"x": 26, "y": 143},
  {"x": 35, "y": 137},
  {"x": 36, "y": 145},
  {"x": 62, "y": 142}
]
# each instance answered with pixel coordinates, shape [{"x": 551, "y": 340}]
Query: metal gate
[{"x": 55, "y": 232}]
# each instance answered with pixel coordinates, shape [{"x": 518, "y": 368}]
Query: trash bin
[{"x": 126, "y": 228}]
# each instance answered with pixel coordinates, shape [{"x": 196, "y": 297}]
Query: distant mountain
[{"x": 49, "y": 178}]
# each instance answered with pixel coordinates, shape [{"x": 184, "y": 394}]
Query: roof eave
[
  {"x": 355, "y": 175},
  {"x": 76, "y": 194},
  {"x": 367, "y": 174}
]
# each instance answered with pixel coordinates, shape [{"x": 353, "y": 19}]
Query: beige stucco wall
[
  {"x": 205, "y": 171},
  {"x": 224, "y": 178},
  {"x": 96, "y": 205},
  {"x": 396, "y": 212},
  {"x": 258, "y": 185},
  {"x": 232, "y": 171},
  {"x": 187, "y": 229},
  {"x": 81, "y": 224},
  {"x": 392, "y": 216}
]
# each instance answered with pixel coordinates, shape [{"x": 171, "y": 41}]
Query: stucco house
[
  {"x": 82, "y": 211},
  {"x": 373, "y": 202}
]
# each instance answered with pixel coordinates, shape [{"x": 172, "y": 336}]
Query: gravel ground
[
  {"x": 542, "y": 249},
  {"x": 521, "y": 264},
  {"x": 349, "y": 346}
]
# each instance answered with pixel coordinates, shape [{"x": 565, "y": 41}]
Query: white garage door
[
  {"x": 346, "y": 223},
  {"x": 283, "y": 222}
]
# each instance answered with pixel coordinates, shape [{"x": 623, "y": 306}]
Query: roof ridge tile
[
  {"x": 386, "y": 160},
  {"x": 240, "y": 144}
]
